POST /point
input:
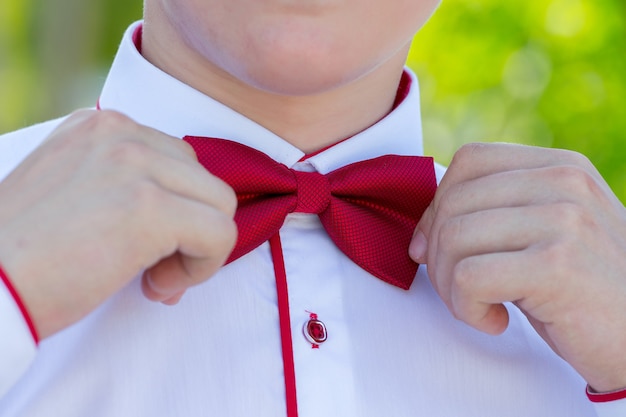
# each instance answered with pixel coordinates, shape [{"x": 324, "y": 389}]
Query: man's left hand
[{"x": 539, "y": 228}]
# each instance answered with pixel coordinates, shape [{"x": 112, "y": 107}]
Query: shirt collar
[{"x": 152, "y": 97}]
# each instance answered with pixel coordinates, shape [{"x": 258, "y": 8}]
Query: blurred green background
[{"x": 541, "y": 72}]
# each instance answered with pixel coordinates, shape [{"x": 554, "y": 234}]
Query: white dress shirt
[{"x": 389, "y": 352}]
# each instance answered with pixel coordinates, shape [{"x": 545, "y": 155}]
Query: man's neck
[{"x": 309, "y": 122}]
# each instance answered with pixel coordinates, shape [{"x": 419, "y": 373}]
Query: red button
[{"x": 315, "y": 331}]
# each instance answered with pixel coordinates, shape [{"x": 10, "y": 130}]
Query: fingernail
[
  {"x": 152, "y": 293},
  {"x": 418, "y": 246},
  {"x": 173, "y": 300}
]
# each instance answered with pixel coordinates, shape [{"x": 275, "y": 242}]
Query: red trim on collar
[
  {"x": 137, "y": 37},
  {"x": 403, "y": 91}
]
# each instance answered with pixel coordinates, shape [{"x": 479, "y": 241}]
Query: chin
[
  {"x": 298, "y": 80},
  {"x": 298, "y": 57},
  {"x": 301, "y": 69}
]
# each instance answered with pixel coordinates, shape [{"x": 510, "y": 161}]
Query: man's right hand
[{"x": 100, "y": 201}]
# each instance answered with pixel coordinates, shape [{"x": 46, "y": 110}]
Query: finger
[
  {"x": 481, "y": 159},
  {"x": 541, "y": 186},
  {"x": 188, "y": 179},
  {"x": 174, "y": 300},
  {"x": 489, "y": 231},
  {"x": 107, "y": 127},
  {"x": 71, "y": 121},
  {"x": 564, "y": 183},
  {"x": 418, "y": 248},
  {"x": 471, "y": 162},
  {"x": 175, "y": 147},
  {"x": 117, "y": 127},
  {"x": 168, "y": 280},
  {"x": 483, "y": 283},
  {"x": 204, "y": 238},
  {"x": 502, "y": 189},
  {"x": 517, "y": 188}
]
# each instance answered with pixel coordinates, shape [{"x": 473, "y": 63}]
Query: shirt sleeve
[
  {"x": 609, "y": 404},
  {"x": 17, "y": 344},
  {"x": 615, "y": 408}
]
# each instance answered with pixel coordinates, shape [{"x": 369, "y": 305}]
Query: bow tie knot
[
  {"x": 369, "y": 209},
  {"x": 313, "y": 192}
]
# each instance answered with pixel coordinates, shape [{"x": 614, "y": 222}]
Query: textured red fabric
[{"x": 369, "y": 208}]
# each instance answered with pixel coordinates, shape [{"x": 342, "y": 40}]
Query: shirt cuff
[
  {"x": 605, "y": 397},
  {"x": 4, "y": 278},
  {"x": 611, "y": 409},
  {"x": 610, "y": 404},
  {"x": 18, "y": 345}
]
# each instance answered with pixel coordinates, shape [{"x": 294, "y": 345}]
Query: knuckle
[
  {"x": 126, "y": 152},
  {"x": 145, "y": 196},
  {"x": 443, "y": 202},
  {"x": 101, "y": 128},
  {"x": 230, "y": 201},
  {"x": 557, "y": 257},
  {"x": 227, "y": 235},
  {"x": 572, "y": 219},
  {"x": 69, "y": 132},
  {"x": 576, "y": 179},
  {"x": 89, "y": 129},
  {"x": 449, "y": 200},
  {"x": 221, "y": 241},
  {"x": 80, "y": 114},
  {"x": 467, "y": 153},
  {"x": 109, "y": 120},
  {"x": 450, "y": 231},
  {"x": 186, "y": 148},
  {"x": 469, "y": 289},
  {"x": 464, "y": 276},
  {"x": 575, "y": 158},
  {"x": 230, "y": 235}
]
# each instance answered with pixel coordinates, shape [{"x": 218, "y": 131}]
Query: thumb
[{"x": 418, "y": 248}]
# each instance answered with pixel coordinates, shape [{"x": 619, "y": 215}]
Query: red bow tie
[{"x": 369, "y": 209}]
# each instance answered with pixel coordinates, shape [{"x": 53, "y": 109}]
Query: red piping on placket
[{"x": 284, "y": 318}]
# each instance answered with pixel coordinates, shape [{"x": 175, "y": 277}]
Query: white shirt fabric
[{"x": 389, "y": 352}]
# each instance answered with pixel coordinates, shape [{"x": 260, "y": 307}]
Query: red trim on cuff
[
  {"x": 605, "y": 397},
  {"x": 20, "y": 304}
]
